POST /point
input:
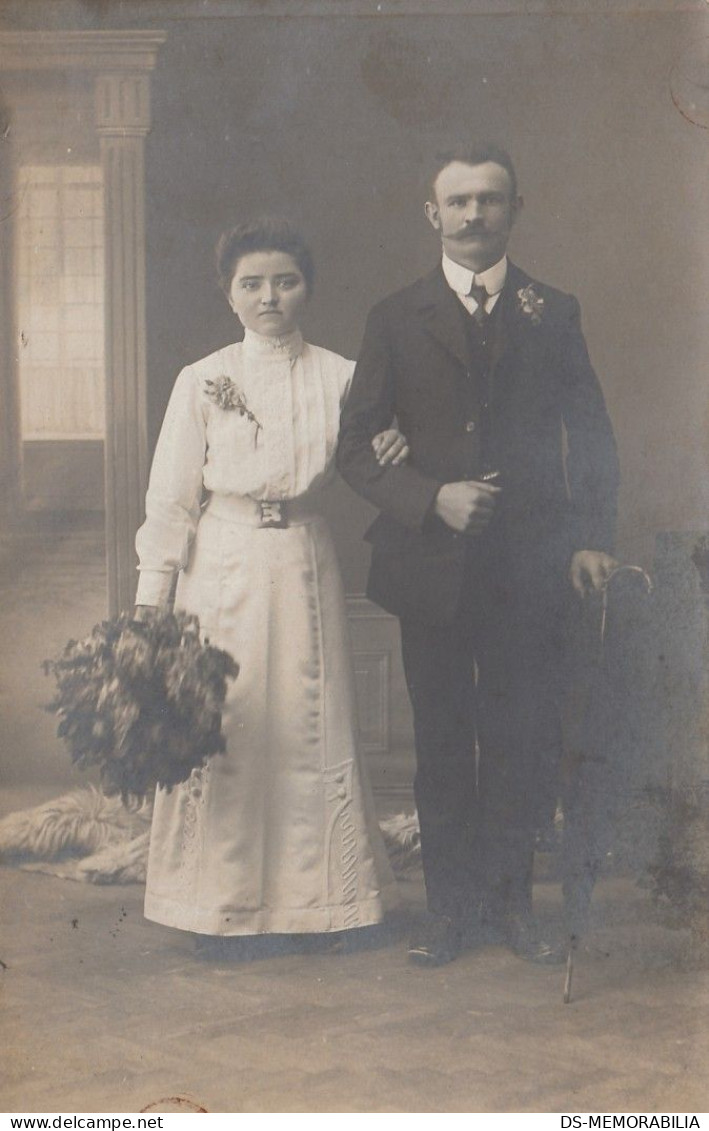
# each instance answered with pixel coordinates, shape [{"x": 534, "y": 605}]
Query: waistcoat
[{"x": 480, "y": 341}]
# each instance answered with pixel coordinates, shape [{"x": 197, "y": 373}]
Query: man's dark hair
[
  {"x": 477, "y": 154},
  {"x": 270, "y": 233}
]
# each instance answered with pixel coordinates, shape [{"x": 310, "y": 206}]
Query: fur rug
[{"x": 89, "y": 837}]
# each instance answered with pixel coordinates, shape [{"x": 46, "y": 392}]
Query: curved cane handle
[{"x": 614, "y": 573}]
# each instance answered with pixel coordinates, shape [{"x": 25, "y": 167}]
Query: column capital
[
  {"x": 123, "y": 104},
  {"x": 85, "y": 50}
]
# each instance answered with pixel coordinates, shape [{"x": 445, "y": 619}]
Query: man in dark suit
[{"x": 507, "y": 501}]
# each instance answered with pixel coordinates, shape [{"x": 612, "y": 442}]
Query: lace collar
[{"x": 280, "y": 348}]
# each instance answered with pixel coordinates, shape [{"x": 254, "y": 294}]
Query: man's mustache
[{"x": 474, "y": 229}]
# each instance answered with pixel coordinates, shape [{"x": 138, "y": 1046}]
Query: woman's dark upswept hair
[{"x": 270, "y": 233}]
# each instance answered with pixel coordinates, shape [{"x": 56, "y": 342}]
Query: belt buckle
[{"x": 273, "y": 514}]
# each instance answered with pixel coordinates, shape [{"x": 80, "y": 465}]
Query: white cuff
[{"x": 154, "y": 587}]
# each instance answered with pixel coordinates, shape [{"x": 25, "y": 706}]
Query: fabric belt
[{"x": 270, "y": 514}]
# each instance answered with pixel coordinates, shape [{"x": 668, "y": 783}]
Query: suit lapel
[
  {"x": 440, "y": 314},
  {"x": 439, "y": 311},
  {"x": 509, "y": 325},
  {"x": 511, "y": 328}
]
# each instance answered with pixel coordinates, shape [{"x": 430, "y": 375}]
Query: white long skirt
[{"x": 279, "y": 834}]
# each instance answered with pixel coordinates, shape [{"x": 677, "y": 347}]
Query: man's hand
[
  {"x": 390, "y": 447},
  {"x": 589, "y": 571},
  {"x": 466, "y": 507}
]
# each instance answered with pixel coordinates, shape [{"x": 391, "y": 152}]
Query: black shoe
[
  {"x": 524, "y": 940},
  {"x": 435, "y": 942}
]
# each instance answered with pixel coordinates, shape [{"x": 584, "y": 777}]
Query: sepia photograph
[{"x": 354, "y": 556}]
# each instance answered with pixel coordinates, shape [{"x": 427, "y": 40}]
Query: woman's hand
[{"x": 390, "y": 447}]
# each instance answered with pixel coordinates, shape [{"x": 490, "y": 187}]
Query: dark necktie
[{"x": 479, "y": 293}]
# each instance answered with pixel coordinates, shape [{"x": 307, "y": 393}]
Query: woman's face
[{"x": 268, "y": 292}]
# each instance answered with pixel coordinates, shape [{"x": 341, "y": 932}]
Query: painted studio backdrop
[{"x": 133, "y": 134}]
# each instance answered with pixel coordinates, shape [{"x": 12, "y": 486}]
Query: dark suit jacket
[{"x": 545, "y": 402}]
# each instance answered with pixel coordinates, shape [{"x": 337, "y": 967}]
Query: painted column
[{"x": 123, "y": 121}]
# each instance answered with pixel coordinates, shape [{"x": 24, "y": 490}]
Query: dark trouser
[{"x": 487, "y": 731}]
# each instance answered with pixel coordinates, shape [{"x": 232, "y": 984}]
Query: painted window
[{"x": 60, "y": 282}]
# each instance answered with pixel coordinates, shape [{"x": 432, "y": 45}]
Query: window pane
[
  {"x": 44, "y": 202},
  {"x": 43, "y": 261},
  {"x": 59, "y": 259},
  {"x": 42, "y": 318},
  {"x": 43, "y": 347},
  {"x": 82, "y": 289},
  {"x": 83, "y": 202},
  {"x": 82, "y": 347},
  {"x": 79, "y": 261},
  {"x": 79, "y": 233}
]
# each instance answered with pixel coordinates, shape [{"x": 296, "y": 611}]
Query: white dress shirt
[{"x": 460, "y": 279}]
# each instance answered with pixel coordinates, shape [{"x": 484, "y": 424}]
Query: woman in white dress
[{"x": 278, "y": 835}]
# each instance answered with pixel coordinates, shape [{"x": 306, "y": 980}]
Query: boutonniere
[
  {"x": 531, "y": 304},
  {"x": 229, "y": 397}
]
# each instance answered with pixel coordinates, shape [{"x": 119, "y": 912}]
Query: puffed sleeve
[{"x": 172, "y": 504}]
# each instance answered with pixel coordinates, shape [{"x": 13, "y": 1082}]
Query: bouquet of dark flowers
[{"x": 141, "y": 700}]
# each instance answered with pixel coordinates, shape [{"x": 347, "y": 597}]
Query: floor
[
  {"x": 52, "y": 588},
  {"x": 105, "y": 1012}
]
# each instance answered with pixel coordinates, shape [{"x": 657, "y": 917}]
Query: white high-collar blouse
[{"x": 295, "y": 392}]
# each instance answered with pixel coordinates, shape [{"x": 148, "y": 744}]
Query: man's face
[{"x": 473, "y": 209}]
